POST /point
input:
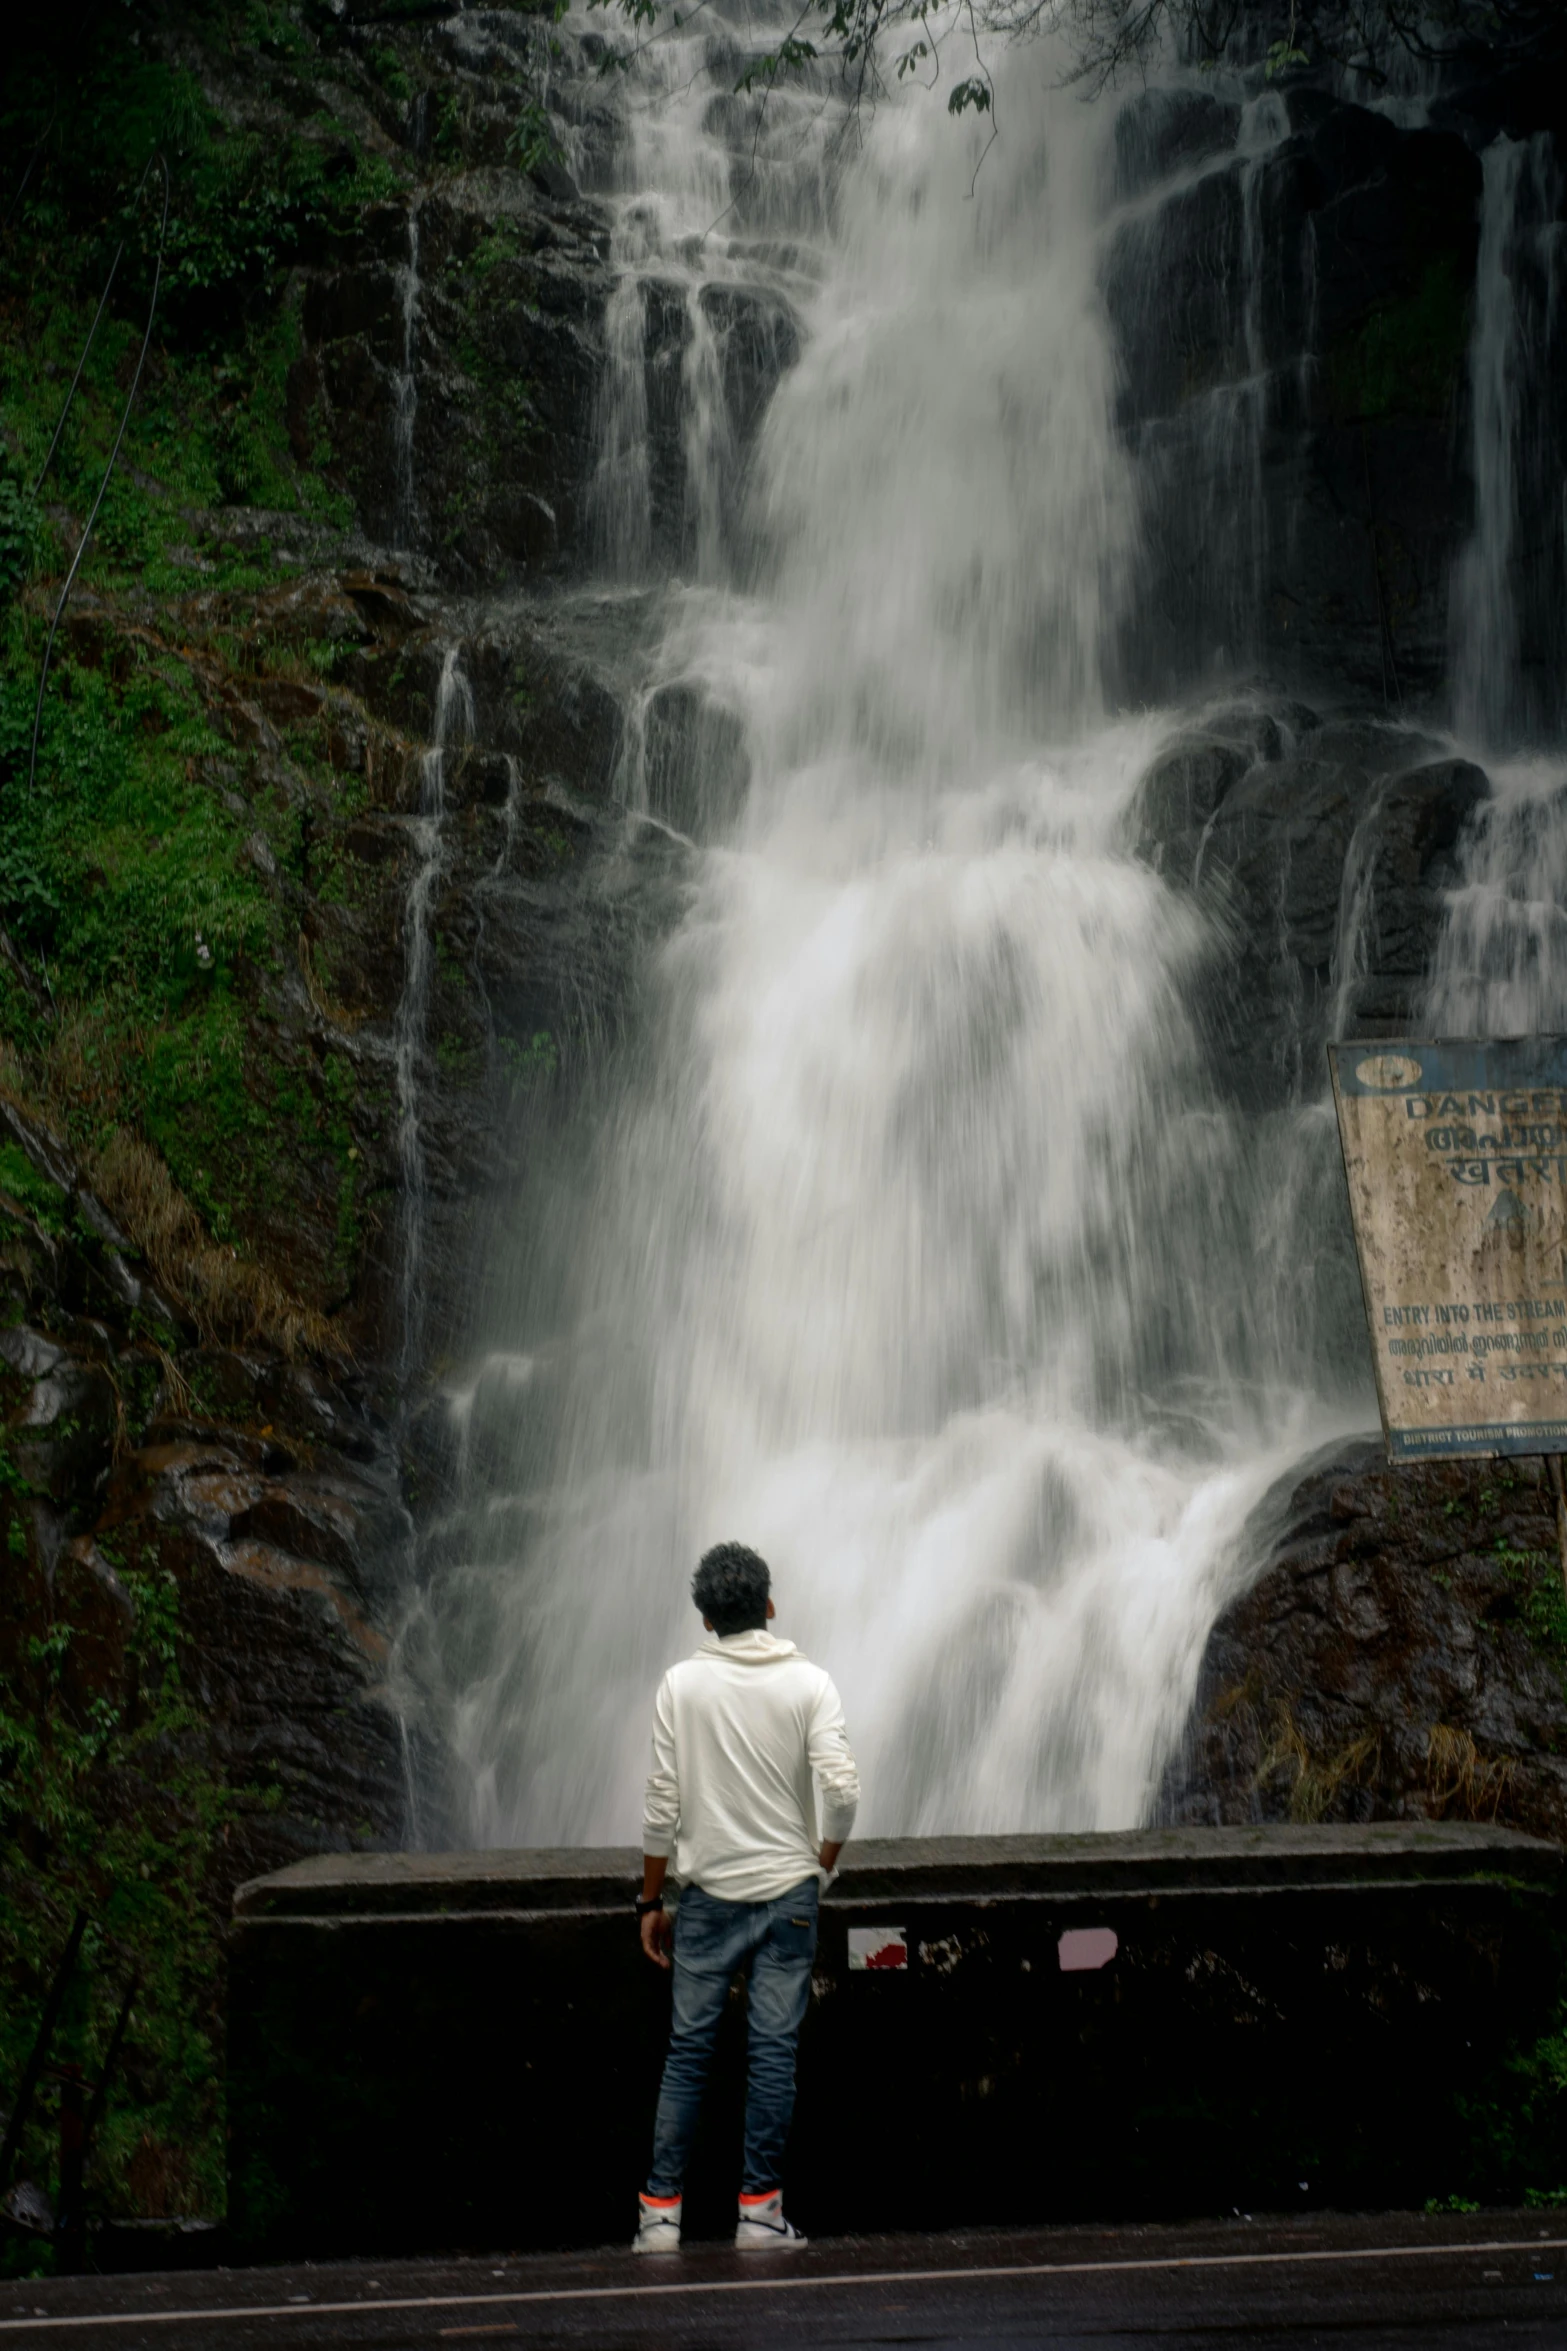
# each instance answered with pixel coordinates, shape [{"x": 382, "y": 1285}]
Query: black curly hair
[{"x": 731, "y": 1588}]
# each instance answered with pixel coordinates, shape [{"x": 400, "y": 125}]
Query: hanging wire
[
  {"x": 125, "y": 418},
  {"x": 82, "y": 362}
]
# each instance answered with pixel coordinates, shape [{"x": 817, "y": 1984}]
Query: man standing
[{"x": 744, "y": 1732}]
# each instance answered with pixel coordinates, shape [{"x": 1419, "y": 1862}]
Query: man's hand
[
  {"x": 658, "y": 1932},
  {"x": 828, "y": 1857},
  {"x": 658, "y": 1928}
]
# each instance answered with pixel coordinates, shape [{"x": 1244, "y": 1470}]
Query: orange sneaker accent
[{"x": 660, "y": 2203}]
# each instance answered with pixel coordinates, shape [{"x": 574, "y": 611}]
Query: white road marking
[{"x": 781, "y": 2282}]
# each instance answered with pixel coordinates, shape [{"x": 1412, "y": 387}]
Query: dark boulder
[
  {"x": 1399, "y": 1656},
  {"x": 1161, "y": 131},
  {"x": 1404, "y": 863},
  {"x": 1293, "y": 327},
  {"x": 1326, "y": 869}
]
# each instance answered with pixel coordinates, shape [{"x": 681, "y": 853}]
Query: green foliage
[
  {"x": 1536, "y": 1576},
  {"x": 1407, "y": 357},
  {"x": 122, "y": 869},
  {"x": 446, "y": 137},
  {"x": 241, "y": 205},
  {"x": 532, "y": 1063},
  {"x": 107, "y": 1805},
  {"x": 1282, "y": 54},
  {"x": 44, "y": 1201},
  {"x": 1519, "y": 2132},
  {"x": 532, "y": 141},
  {"x": 124, "y": 878},
  {"x": 19, "y": 531},
  {"x": 387, "y": 67}
]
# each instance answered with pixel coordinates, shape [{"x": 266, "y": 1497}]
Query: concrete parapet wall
[{"x": 462, "y": 2050}]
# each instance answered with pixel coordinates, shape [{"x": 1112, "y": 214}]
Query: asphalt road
[{"x": 1448, "y": 2281}]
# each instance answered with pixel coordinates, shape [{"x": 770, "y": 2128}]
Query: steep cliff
[{"x": 212, "y": 890}]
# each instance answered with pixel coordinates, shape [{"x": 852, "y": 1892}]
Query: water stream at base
[
  {"x": 912, "y": 1246},
  {"x": 405, "y": 384},
  {"x": 452, "y": 725}
]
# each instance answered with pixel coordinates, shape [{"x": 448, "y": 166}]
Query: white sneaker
[
  {"x": 658, "y": 2225},
  {"x": 762, "y": 2226}
]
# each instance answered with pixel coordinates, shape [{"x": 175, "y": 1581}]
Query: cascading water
[
  {"x": 405, "y": 407},
  {"x": 1515, "y": 476},
  {"x": 453, "y": 723},
  {"x": 1501, "y": 963},
  {"x": 914, "y": 1249},
  {"x": 694, "y": 219}
]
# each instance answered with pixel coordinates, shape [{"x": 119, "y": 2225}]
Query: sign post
[{"x": 1456, "y": 1156}]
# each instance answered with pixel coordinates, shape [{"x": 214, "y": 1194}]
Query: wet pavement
[{"x": 1450, "y": 2280}]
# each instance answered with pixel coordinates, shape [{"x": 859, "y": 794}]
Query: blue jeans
[{"x": 713, "y": 1939}]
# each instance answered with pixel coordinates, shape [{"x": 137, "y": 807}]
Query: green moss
[
  {"x": 123, "y": 879},
  {"x": 1406, "y": 359},
  {"x": 1536, "y": 1577},
  {"x": 501, "y": 244},
  {"x": 532, "y": 1063}
]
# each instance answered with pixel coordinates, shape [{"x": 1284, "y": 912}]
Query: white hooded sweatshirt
[{"x": 743, "y": 1733}]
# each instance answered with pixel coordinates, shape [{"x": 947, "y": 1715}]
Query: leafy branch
[{"x": 871, "y": 44}]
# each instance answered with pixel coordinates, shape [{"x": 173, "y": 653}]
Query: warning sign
[{"x": 1456, "y": 1155}]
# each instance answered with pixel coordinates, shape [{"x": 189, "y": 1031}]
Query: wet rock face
[
  {"x": 1324, "y": 853},
  {"x": 1401, "y": 1656},
  {"x": 1290, "y": 295},
  {"x": 756, "y": 339},
  {"x": 695, "y": 768},
  {"x": 481, "y": 307},
  {"x": 453, "y": 361},
  {"x": 260, "y": 1496}
]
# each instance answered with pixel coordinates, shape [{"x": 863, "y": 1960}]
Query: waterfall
[
  {"x": 620, "y": 495},
  {"x": 1203, "y": 393},
  {"x": 405, "y": 386},
  {"x": 453, "y": 722},
  {"x": 1500, "y": 968},
  {"x": 1264, "y": 126},
  {"x": 1501, "y": 963},
  {"x": 1516, "y": 477},
  {"x": 692, "y": 219},
  {"x": 908, "y": 1241}
]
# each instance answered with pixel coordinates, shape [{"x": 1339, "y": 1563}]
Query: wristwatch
[{"x": 652, "y": 1902}]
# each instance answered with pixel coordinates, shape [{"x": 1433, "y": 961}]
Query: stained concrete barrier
[{"x": 438, "y": 2051}]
